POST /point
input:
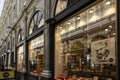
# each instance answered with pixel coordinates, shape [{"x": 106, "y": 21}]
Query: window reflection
[{"x": 36, "y": 22}]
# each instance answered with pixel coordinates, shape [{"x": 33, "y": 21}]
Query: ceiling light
[
  {"x": 68, "y": 23},
  {"x": 106, "y": 29},
  {"x": 78, "y": 17},
  {"x": 114, "y": 34},
  {"x": 5, "y": 53},
  {"x": 108, "y": 2},
  {"x": 110, "y": 26},
  {"x": 91, "y": 11},
  {"x": 60, "y": 27}
]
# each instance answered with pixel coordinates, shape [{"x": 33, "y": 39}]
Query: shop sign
[
  {"x": 6, "y": 75},
  {"x": 103, "y": 51}
]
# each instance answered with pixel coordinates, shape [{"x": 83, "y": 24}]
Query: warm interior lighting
[
  {"x": 114, "y": 34},
  {"x": 68, "y": 23},
  {"x": 60, "y": 27},
  {"x": 78, "y": 17},
  {"x": 106, "y": 29},
  {"x": 110, "y": 27},
  {"x": 91, "y": 11},
  {"x": 108, "y": 2}
]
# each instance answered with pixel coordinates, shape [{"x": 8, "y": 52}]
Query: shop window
[
  {"x": 86, "y": 44},
  {"x": 36, "y": 55},
  {"x": 20, "y": 36},
  {"x": 36, "y": 22},
  {"x": 20, "y": 64}
]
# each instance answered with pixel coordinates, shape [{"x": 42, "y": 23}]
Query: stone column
[
  {"x": 46, "y": 72},
  {"x": 25, "y": 45},
  {"x": 48, "y": 43}
]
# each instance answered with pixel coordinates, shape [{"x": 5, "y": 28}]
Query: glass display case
[
  {"x": 36, "y": 55},
  {"x": 86, "y": 44}
]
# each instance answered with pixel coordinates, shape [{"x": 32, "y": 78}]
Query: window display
[
  {"x": 36, "y": 55},
  {"x": 86, "y": 44},
  {"x": 20, "y": 53}
]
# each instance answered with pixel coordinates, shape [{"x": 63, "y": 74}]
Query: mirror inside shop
[{"x": 85, "y": 44}]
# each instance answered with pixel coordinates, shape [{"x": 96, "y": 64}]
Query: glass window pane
[
  {"x": 37, "y": 22},
  {"x": 31, "y": 27},
  {"x": 81, "y": 19},
  {"x": 36, "y": 55},
  {"x": 86, "y": 43}
]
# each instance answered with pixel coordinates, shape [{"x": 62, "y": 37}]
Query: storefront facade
[
  {"x": 23, "y": 46},
  {"x": 84, "y": 35},
  {"x": 35, "y": 42},
  {"x": 65, "y": 39}
]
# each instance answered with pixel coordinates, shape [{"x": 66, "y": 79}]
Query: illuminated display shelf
[{"x": 91, "y": 27}]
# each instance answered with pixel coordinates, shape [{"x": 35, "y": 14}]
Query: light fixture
[
  {"x": 68, "y": 23},
  {"x": 82, "y": 62},
  {"x": 78, "y": 17},
  {"x": 60, "y": 27},
  {"x": 106, "y": 29},
  {"x": 92, "y": 65},
  {"x": 114, "y": 34},
  {"x": 107, "y": 2},
  {"x": 91, "y": 11},
  {"x": 9, "y": 51},
  {"x": 5, "y": 53},
  {"x": 110, "y": 26}
]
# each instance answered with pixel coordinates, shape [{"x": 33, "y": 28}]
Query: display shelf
[
  {"x": 90, "y": 28},
  {"x": 38, "y": 47},
  {"x": 89, "y": 74},
  {"x": 73, "y": 51}
]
